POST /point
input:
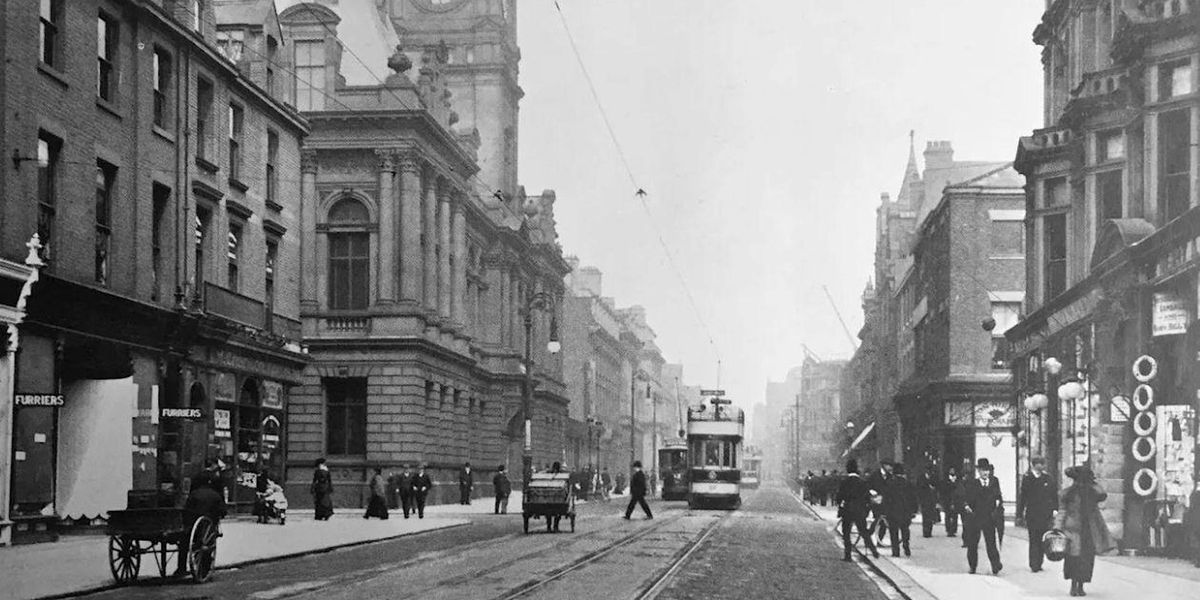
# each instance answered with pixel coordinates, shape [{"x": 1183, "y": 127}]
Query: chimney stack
[{"x": 939, "y": 155}]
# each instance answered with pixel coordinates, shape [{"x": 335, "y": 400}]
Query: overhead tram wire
[{"x": 640, "y": 193}]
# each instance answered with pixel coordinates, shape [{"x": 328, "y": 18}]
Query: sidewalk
[
  {"x": 938, "y": 569},
  {"x": 80, "y": 563}
]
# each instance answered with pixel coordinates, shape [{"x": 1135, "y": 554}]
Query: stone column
[
  {"x": 411, "y": 254},
  {"x": 308, "y": 229},
  {"x": 443, "y": 272},
  {"x": 429, "y": 237},
  {"x": 458, "y": 235},
  {"x": 385, "y": 267},
  {"x": 505, "y": 303},
  {"x": 489, "y": 326}
]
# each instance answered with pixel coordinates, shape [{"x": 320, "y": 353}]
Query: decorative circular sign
[
  {"x": 1143, "y": 397},
  {"x": 1145, "y": 481},
  {"x": 1144, "y": 423},
  {"x": 1143, "y": 449},
  {"x": 1145, "y": 368}
]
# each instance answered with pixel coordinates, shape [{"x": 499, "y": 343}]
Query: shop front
[
  {"x": 955, "y": 423},
  {"x": 16, "y": 281}
]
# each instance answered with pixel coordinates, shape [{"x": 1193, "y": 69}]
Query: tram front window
[{"x": 714, "y": 453}]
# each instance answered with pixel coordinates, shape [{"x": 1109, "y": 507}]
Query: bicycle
[{"x": 877, "y": 529}]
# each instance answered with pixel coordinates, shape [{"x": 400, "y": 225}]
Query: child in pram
[{"x": 270, "y": 503}]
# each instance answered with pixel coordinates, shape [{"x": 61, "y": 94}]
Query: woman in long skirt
[
  {"x": 322, "y": 492},
  {"x": 377, "y": 505},
  {"x": 1087, "y": 534}
]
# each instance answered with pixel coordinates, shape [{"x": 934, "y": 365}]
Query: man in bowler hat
[
  {"x": 854, "y": 504},
  {"x": 982, "y": 507},
  {"x": 1037, "y": 499},
  {"x": 637, "y": 491},
  {"x": 404, "y": 486},
  {"x": 421, "y": 486}
]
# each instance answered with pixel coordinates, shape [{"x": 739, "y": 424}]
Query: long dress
[
  {"x": 322, "y": 492},
  {"x": 377, "y": 505}
]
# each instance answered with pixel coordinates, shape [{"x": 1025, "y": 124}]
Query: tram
[
  {"x": 751, "y": 468},
  {"x": 673, "y": 469},
  {"x": 714, "y": 437}
]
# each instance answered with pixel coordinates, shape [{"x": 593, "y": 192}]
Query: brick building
[
  {"x": 420, "y": 267},
  {"x": 161, "y": 175},
  {"x": 1113, "y": 186},
  {"x": 955, "y": 400}
]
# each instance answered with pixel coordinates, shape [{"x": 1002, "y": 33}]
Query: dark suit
[
  {"x": 951, "y": 498},
  {"x": 1037, "y": 499},
  {"x": 637, "y": 494},
  {"x": 421, "y": 486},
  {"x": 405, "y": 487},
  {"x": 854, "y": 504},
  {"x": 503, "y": 487},
  {"x": 466, "y": 480},
  {"x": 900, "y": 508},
  {"x": 878, "y": 482},
  {"x": 927, "y": 497},
  {"x": 982, "y": 506}
]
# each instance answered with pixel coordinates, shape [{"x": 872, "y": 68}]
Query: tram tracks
[{"x": 648, "y": 590}]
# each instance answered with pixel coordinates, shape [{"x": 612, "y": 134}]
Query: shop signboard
[
  {"x": 224, "y": 388},
  {"x": 1170, "y": 314},
  {"x": 53, "y": 400},
  {"x": 1119, "y": 409},
  {"x": 272, "y": 395},
  {"x": 183, "y": 414},
  {"x": 1176, "y": 440},
  {"x": 221, "y": 422}
]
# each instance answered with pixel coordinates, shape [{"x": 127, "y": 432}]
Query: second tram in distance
[
  {"x": 714, "y": 437},
  {"x": 673, "y": 468}
]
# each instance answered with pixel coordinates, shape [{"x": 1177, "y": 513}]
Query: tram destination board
[{"x": 712, "y": 392}]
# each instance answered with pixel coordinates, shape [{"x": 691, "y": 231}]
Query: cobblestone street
[{"x": 771, "y": 548}]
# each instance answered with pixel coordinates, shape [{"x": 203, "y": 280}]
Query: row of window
[
  {"x": 346, "y": 412},
  {"x": 49, "y": 165},
  {"x": 108, "y": 76}
]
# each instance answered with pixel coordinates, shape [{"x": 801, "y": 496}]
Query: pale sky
[{"x": 764, "y": 132}]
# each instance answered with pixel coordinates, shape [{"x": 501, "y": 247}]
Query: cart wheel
[
  {"x": 124, "y": 558},
  {"x": 160, "y": 557},
  {"x": 526, "y": 519},
  {"x": 202, "y": 549},
  {"x": 572, "y": 523}
]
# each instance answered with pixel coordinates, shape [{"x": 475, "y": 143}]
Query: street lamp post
[{"x": 538, "y": 301}]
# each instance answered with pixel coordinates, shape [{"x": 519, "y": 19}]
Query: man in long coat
[
  {"x": 466, "y": 481},
  {"x": 421, "y": 486},
  {"x": 502, "y": 487},
  {"x": 980, "y": 510},
  {"x": 404, "y": 487},
  {"x": 927, "y": 498},
  {"x": 1037, "y": 499},
  {"x": 950, "y": 495},
  {"x": 854, "y": 504}
]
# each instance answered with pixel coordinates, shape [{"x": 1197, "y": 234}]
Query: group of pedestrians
[
  {"x": 820, "y": 488},
  {"x": 410, "y": 489},
  {"x": 976, "y": 500},
  {"x": 893, "y": 500}
]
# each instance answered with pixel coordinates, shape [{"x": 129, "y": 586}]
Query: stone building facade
[
  {"x": 418, "y": 273},
  {"x": 161, "y": 175},
  {"x": 1113, "y": 184}
]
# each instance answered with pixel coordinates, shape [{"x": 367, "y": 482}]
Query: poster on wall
[
  {"x": 1170, "y": 314},
  {"x": 272, "y": 395},
  {"x": 1176, "y": 439},
  {"x": 221, "y": 422}
]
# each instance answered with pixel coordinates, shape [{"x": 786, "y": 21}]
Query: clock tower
[{"x": 481, "y": 39}]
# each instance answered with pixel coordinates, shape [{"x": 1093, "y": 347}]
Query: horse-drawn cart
[
  {"x": 162, "y": 533},
  {"x": 549, "y": 495}
]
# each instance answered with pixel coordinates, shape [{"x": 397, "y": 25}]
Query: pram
[{"x": 271, "y": 504}]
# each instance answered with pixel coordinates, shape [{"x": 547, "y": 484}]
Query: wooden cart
[
  {"x": 162, "y": 533},
  {"x": 549, "y": 495}
]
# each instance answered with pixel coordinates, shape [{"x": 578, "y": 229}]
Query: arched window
[{"x": 349, "y": 256}]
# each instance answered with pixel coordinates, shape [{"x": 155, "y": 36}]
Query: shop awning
[{"x": 858, "y": 440}]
